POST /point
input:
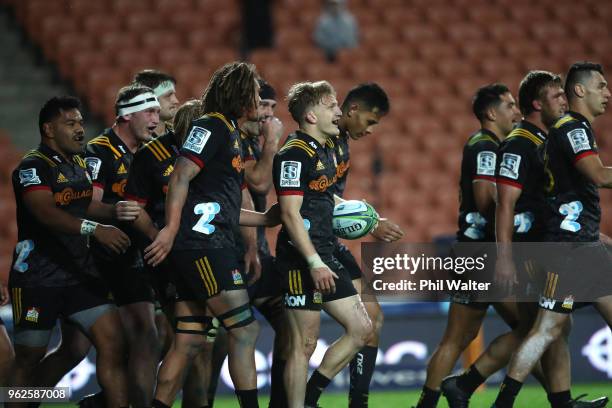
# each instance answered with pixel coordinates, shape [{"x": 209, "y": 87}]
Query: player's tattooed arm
[
  {"x": 258, "y": 174},
  {"x": 505, "y": 272},
  {"x": 178, "y": 187},
  {"x": 41, "y": 204},
  {"x": 592, "y": 167},
  {"x": 322, "y": 276}
]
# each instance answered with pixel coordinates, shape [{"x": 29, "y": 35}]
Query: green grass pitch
[{"x": 530, "y": 397}]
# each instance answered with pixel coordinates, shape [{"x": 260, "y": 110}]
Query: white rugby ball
[{"x": 354, "y": 219}]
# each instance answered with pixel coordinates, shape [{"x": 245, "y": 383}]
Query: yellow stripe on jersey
[
  {"x": 563, "y": 120},
  {"x": 155, "y": 151},
  {"x": 210, "y": 274},
  {"x": 16, "y": 305},
  {"x": 220, "y": 116},
  {"x": 330, "y": 143},
  {"x": 300, "y": 144},
  {"x": 158, "y": 149},
  {"x": 79, "y": 160},
  {"x": 299, "y": 278},
  {"x": 36, "y": 153},
  {"x": 163, "y": 149},
  {"x": 527, "y": 135},
  {"x": 482, "y": 138},
  {"x": 104, "y": 141},
  {"x": 204, "y": 279}
]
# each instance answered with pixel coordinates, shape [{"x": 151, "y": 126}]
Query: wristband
[
  {"x": 88, "y": 227},
  {"x": 314, "y": 261}
]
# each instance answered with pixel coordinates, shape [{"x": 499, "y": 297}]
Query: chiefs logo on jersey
[
  {"x": 237, "y": 163},
  {"x": 119, "y": 187},
  {"x": 342, "y": 168},
  {"x": 67, "y": 195},
  {"x": 322, "y": 183}
]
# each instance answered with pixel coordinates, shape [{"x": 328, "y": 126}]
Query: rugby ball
[{"x": 354, "y": 219}]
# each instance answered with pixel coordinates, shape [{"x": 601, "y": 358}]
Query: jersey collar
[
  {"x": 579, "y": 117},
  {"x": 51, "y": 154},
  {"x": 489, "y": 133},
  {"x": 116, "y": 141},
  {"x": 525, "y": 124},
  {"x": 309, "y": 139}
]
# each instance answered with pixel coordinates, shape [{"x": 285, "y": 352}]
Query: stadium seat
[
  {"x": 99, "y": 25},
  {"x": 171, "y": 58},
  {"x": 186, "y": 21},
  {"x": 77, "y": 67},
  {"x": 125, "y": 7},
  {"x": 437, "y": 50},
  {"x": 168, "y": 7},
  {"x": 119, "y": 40},
  {"x": 590, "y": 30},
  {"x": 488, "y": 16},
  {"x": 506, "y": 30},
  {"x": 70, "y": 44},
  {"x": 82, "y": 8},
  {"x": 160, "y": 39},
  {"x": 462, "y": 32},
  {"x": 421, "y": 33},
  {"x": 141, "y": 22},
  {"x": 444, "y": 15},
  {"x": 474, "y": 51}
]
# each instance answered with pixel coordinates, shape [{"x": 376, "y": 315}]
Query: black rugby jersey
[
  {"x": 212, "y": 208},
  {"x": 304, "y": 167},
  {"x": 44, "y": 257},
  {"x": 520, "y": 164},
  {"x": 252, "y": 151},
  {"x": 150, "y": 173},
  {"x": 344, "y": 162},
  {"x": 478, "y": 163},
  {"x": 108, "y": 161},
  {"x": 573, "y": 212}
]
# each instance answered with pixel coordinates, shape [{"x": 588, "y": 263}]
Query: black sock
[
  {"x": 278, "y": 396},
  {"x": 361, "y": 369},
  {"x": 315, "y": 387},
  {"x": 211, "y": 402},
  {"x": 507, "y": 393},
  {"x": 158, "y": 404},
  {"x": 559, "y": 399},
  {"x": 470, "y": 380},
  {"x": 247, "y": 398},
  {"x": 429, "y": 398}
]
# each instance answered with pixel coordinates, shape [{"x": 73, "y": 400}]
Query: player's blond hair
[
  {"x": 187, "y": 113},
  {"x": 304, "y": 95}
]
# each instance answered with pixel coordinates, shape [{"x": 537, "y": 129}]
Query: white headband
[
  {"x": 163, "y": 88},
  {"x": 138, "y": 103}
]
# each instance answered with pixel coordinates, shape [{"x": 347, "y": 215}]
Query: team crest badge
[
  {"x": 237, "y": 276},
  {"x": 32, "y": 314},
  {"x": 317, "y": 297}
]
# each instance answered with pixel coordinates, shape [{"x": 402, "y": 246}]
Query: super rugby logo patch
[
  {"x": 28, "y": 177},
  {"x": 197, "y": 139},
  {"x": 93, "y": 166},
  {"x": 579, "y": 140},
  {"x": 485, "y": 163},
  {"x": 290, "y": 174},
  {"x": 509, "y": 166}
]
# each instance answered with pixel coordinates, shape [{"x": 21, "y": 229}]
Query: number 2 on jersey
[
  {"x": 23, "y": 249},
  {"x": 208, "y": 212},
  {"x": 572, "y": 212}
]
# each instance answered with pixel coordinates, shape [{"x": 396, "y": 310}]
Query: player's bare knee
[
  {"x": 308, "y": 346},
  {"x": 245, "y": 335}
]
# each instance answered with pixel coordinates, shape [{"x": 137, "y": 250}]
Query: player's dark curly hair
[
  {"x": 487, "y": 97},
  {"x": 231, "y": 90},
  {"x": 579, "y": 73},
  {"x": 305, "y": 95},
  {"x": 152, "y": 78},
  {"x": 187, "y": 113},
  {"x": 54, "y": 107},
  {"x": 532, "y": 87},
  {"x": 369, "y": 96}
]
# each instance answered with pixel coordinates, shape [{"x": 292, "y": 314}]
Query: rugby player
[
  {"x": 496, "y": 110},
  {"x": 304, "y": 175},
  {"x": 54, "y": 274},
  {"x": 362, "y": 109},
  {"x": 202, "y": 206},
  {"x": 542, "y": 101},
  {"x": 109, "y": 157},
  {"x": 571, "y": 216}
]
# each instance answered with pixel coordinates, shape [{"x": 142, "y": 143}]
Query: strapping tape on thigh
[
  {"x": 193, "y": 324},
  {"x": 238, "y": 317}
]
